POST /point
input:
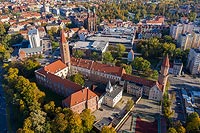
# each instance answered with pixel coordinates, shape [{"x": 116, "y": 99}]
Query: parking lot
[
  {"x": 178, "y": 105},
  {"x": 105, "y": 111}
]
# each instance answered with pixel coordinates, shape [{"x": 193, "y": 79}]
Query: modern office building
[{"x": 34, "y": 38}]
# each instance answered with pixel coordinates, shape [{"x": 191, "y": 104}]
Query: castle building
[
  {"x": 78, "y": 98},
  {"x": 163, "y": 76},
  {"x": 90, "y": 22}
]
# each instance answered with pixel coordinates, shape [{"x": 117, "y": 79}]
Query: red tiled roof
[
  {"x": 79, "y": 96},
  {"x": 114, "y": 70},
  {"x": 166, "y": 62},
  {"x": 62, "y": 37},
  {"x": 145, "y": 126},
  {"x": 63, "y": 82},
  {"x": 89, "y": 64},
  {"x": 81, "y": 62},
  {"x": 55, "y": 66},
  {"x": 139, "y": 80},
  {"x": 67, "y": 83},
  {"x": 41, "y": 29}
]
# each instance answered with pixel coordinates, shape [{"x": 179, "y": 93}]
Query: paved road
[
  {"x": 178, "y": 83},
  {"x": 3, "y": 114}
]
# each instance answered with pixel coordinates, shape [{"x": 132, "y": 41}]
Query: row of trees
[
  {"x": 140, "y": 10},
  {"x": 35, "y": 114},
  {"x": 6, "y": 41},
  {"x": 155, "y": 48},
  {"x": 143, "y": 67},
  {"x": 192, "y": 125}
]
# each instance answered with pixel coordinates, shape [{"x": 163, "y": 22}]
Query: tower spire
[
  {"x": 64, "y": 48},
  {"x": 163, "y": 76},
  {"x": 62, "y": 37}
]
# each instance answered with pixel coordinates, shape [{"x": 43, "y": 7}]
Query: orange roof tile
[
  {"x": 67, "y": 84},
  {"x": 139, "y": 80},
  {"x": 79, "y": 96},
  {"x": 55, "y": 66},
  {"x": 114, "y": 70},
  {"x": 89, "y": 64}
]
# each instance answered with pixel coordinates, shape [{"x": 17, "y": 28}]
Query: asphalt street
[{"x": 3, "y": 114}]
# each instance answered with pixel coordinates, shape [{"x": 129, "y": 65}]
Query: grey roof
[
  {"x": 114, "y": 93},
  {"x": 103, "y": 122},
  {"x": 31, "y": 50},
  {"x": 96, "y": 45},
  {"x": 109, "y": 39}
]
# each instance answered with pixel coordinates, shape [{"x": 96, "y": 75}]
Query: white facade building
[
  {"x": 193, "y": 63},
  {"x": 112, "y": 96},
  {"x": 196, "y": 39},
  {"x": 185, "y": 41},
  {"x": 176, "y": 30},
  {"x": 34, "y": 38}
]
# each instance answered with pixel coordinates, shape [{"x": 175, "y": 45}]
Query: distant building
[
  {"x": 193, "y": 62},
  {"x": 91, "y": 21},
  {"x": 196, "y": 39},
  {"x": 34, "y": 38},
  {"x": 89, "y": 47},
  {"x": 177, "y": 67},
  {"x": 176, "y": 30},
  {"x": 185, "y": 41},
  {"x": 29, "y": 52}
]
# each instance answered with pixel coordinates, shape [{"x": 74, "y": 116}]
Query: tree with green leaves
[
  {"x": 172, "y": 130},
  {"x": 192, "y": 16},
  {"x": 87, "y": 120},
  {"x": 77, "y": 78},
  {"x": 78, "y": 54},
  {"x": 108, "y": 129},
  {"x": 129, "y": 105},
  {"x": 75, "y": 124},
  {"x": 141, "y": 64},
  {"x": 128, "y": 68},
  {"x": 59, "y": 123},
  {"x": 95, "y": 56},
  {"x": 120, "y": 49},
  {"x": 54, "y": 45},
  {"x": 193, "y": 122},
  {"x": 169, "y": 48},
  {"x": 107, "y": 57},
  {"x": 2, "y": 29}
]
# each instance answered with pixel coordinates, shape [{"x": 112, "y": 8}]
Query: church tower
[
  {"x": 163, "y": 76},
  {"x": 90, "y": 23},
  {"x": 64, "y": 49}
]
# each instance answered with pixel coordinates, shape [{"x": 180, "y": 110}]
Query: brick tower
[
  {"x": 64, "y": 49},
  {"x": 163, "y": 76},
  {"x": 90, "y": 23}
]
